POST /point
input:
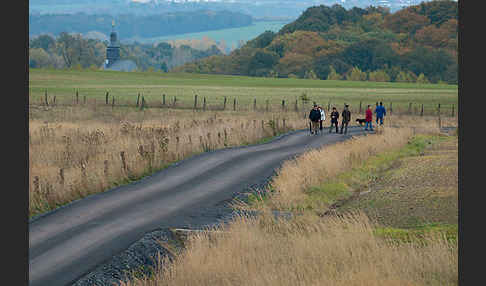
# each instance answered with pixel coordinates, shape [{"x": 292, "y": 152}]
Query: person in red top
[{"x": 369, "y": 119}]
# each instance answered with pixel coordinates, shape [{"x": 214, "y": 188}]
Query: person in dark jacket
[
  {"x": 315, "y": 117},
  {"x": 346, "y": 118},
  {"x": 334, "y": 119},
  {"x": 380, "y": 111}
]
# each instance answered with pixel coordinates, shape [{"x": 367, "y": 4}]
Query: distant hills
[
  {"x": 130, "y": 25},
  {"x": 254, "y": 8},
  {"x": 417, "y": 43}
]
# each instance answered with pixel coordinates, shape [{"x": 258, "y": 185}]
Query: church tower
[{"x": 113, "y": 50}]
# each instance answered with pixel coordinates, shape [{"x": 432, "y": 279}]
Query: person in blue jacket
[{"x": 380, "y": 113}]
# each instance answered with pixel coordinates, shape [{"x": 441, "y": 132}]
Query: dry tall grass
[
  {"x": 316, "y": 166},
  {"x": 77, "y": 151},
  {"x": 307, "y": 250}
]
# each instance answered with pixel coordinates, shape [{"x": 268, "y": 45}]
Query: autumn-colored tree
[
  {"x": 422, "y": 79},
  {"x": 301, "y": 42},
  {"x": 356, "y": 75},
  {"x": 379, "y": 76},
  {"x": 296, "y": 64},
  {"x": 407, "y": 76},
  {"x": 432, "y": 36},
  {"x": 310, "y": 75},
  {"x": 405, "y": 21},
  {"x": 333, "y": 75},
  {"x": 372, "y": 21}
]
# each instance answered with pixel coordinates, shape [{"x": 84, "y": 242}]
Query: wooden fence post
[
  {"x": 106, "y": 98},
  {"x": 124, "y": 163},
  {"x": 112, "y": 102},
  {"x": 266, "y": 105},
  {"x": 234, "y": 104},
  {"x": 36, "y": 184},
  {"x": 452, "y": 113},
  {"x": 77, "y": 96},
  {"x": 254, "y": 104},
  {"x": 105, "y": 169},
  {"x": 224, "y": 103},
  {"x": 391, "y": 108},
  {"x": 438, "y": 111},
  {"x": 360, "y": 107},
  {"x": 283, "y": 104},
  {"x": 138, "y": 99},
  {"x": 45, "y": 98},
  {"x": 175, "y": 101},
  {"x": 296, "y": 105},
  {"x": 61, "y": 176},
  {"x": 410, "y": 108},
  {"x": 204, "y": 103},
  {"x": 195, "y": 101},
  {"x": 143, "y": 103},
  {"x": 163, "y": 99},
  {"x": 422, "y": 110},
  {"x": 84, "y": 100}
]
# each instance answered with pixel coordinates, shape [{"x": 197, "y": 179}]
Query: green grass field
[{"x": 152, "y": 85}]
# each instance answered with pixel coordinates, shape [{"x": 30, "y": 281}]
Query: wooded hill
[
  {"x": 416, "y": 44},
  {"x": 130, "y": 25}
]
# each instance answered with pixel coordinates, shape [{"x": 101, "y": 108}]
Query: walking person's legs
[
  {"x": 315, "y": 127},
  {"x": 345, "y": 128}
]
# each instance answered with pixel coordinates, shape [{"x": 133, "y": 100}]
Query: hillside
[{"x": 415, "y": 44}]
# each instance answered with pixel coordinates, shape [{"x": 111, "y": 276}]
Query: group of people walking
[{"x": 318, "y": 115}]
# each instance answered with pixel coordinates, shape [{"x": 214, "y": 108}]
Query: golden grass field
[{"x": 75, "y": 151}]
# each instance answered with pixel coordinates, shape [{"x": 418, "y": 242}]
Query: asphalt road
[{"x": 70, "y": 241}]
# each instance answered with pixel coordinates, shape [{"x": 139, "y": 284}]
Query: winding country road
[{"x": 70, "y": 241}]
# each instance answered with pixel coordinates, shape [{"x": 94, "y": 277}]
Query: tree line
[
  {"x": 72, "y": 51},
  {"x": 417, "y": 43}
]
